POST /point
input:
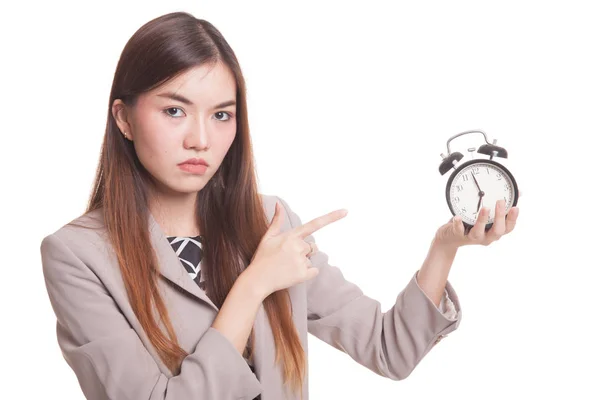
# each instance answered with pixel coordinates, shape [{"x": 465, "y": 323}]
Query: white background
[{"x": 350, "y": 106}]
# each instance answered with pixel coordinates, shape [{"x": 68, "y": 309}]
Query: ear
[{"x": 120, "y": 113}]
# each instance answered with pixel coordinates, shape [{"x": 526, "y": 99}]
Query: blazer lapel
[{"x": 170, "y": 265}]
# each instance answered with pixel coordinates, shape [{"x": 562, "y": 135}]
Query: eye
[
  {"x": 168, "y": 112},
  {"x": 224, "y": 113}
]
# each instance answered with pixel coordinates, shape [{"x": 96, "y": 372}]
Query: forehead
[{"x": 203, "y": 85}]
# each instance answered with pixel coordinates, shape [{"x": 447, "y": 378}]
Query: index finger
[{"x": 314, "y": 225}]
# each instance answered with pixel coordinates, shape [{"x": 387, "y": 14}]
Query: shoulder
[
  {"x": 269, "y": 201},
  {"x": 80, "y": 235}
]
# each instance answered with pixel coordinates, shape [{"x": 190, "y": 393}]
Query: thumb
[
  {"x": 458, "y": 226},
  {"x": 275, "y": 224}
]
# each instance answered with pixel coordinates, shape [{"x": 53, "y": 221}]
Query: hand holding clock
[{"x": 452, "y": 234}]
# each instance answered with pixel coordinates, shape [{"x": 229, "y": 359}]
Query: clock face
[{"x": 475, "y": 180}]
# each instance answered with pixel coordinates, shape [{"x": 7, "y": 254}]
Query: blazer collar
[{"x": 169, "y": 264}]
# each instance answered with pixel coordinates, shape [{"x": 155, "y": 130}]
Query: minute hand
[
  {"x": 476, "y": 183},
  {"x": 481, "y": 193}
]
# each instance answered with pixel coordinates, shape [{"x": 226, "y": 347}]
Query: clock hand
[
  {"x": 481, "y": 192},
  {"x": 477, "y": 183}
]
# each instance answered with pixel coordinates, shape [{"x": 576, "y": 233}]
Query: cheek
[
  {"x": 224, "y": 141},
  {"x": 154, "y": 144},
  {"x": 221, "y": 145}
]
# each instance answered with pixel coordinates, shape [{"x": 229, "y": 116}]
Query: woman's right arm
[
  {"x": 109, "y": 359},
  {"x": 238, "y": 312}
]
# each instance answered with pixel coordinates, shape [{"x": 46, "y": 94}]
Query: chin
[{"x": 192, "y": 186}]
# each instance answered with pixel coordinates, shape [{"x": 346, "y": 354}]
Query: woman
[{"x": 181, "y": 281}]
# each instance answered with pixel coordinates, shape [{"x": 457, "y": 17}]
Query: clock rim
[{"x": 467, "y": 225}]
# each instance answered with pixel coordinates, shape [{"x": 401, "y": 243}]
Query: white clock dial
[{"x": 493, "y": 182}]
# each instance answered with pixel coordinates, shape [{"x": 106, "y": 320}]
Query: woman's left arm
[
  {"x": 433, "y": 275},
  {"x": 389, "y": 343}
]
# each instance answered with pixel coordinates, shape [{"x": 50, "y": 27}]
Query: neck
[{"x": 176, "y": 215}]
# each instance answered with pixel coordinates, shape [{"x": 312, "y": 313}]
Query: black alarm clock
[{"x": 478, "y": 183}]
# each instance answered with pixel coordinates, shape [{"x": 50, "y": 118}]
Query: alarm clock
[{"x": 478, "y": 183}]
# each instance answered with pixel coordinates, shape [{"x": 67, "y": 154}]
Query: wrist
[
  {"x": 442, "y": 249},
  {"x": 252, "y": 286}
]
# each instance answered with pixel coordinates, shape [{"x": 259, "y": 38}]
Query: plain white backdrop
[{"x": 351, "y": 104}]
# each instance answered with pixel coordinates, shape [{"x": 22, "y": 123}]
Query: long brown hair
[{"x": 160, "y": 50}]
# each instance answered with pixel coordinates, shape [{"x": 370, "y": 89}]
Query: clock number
[
  {"x": 499, "y": 175},
  {"x": 506, "y": 186},
  {"x": 488, "y": 170},
  {"x": 457, "y": 199},
  {"x": 459, "y": 188},
  {"x": 476, "y": 170},
  {"x": 465, "y": 177}
]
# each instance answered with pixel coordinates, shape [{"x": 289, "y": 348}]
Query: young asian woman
[{"x": 181, "y": 281}]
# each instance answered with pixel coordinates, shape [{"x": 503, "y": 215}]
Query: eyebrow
[{"x": 185, "y": 100}]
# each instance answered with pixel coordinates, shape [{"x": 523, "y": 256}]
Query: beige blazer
[{"x": 104, "y": 344}]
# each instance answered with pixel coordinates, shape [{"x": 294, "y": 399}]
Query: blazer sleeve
[
  {"x": 447, "y": 307},
  {"x": 389, "y": 343},
  {"x": 108, "y": 357}
]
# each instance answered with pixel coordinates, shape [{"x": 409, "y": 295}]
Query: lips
[
  {"x": 199, "y": 169},
  {"x": 194, "y": 161}
]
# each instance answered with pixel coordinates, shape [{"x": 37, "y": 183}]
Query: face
[{"x": 191, "y": 116}]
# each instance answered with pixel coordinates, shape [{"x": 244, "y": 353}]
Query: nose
[{"x": 197, "y": 137}]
